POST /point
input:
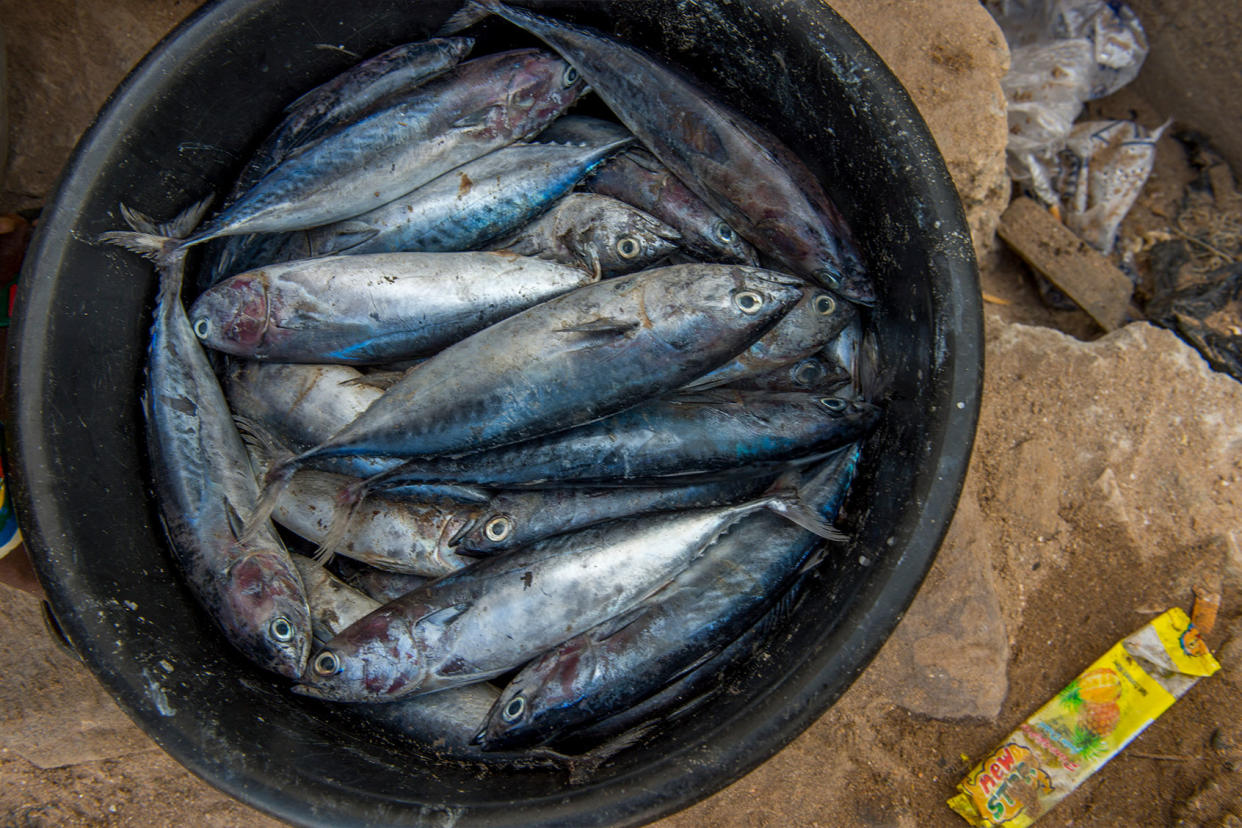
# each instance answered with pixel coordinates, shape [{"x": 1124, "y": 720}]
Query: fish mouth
[{"x": 312, "y": 691}]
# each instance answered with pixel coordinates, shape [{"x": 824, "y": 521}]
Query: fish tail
[
  {"x": 790, "y": 505},
  {"x": 159, "y": 242},
  {"x": 473, "y": 12},
  {"x": 347, "y": 502}
]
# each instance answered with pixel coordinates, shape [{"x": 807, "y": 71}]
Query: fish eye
[
  {"x": 280, "y": 629},
  {"x": 498, "y": 528},
  {"x": 824, "y": 304},
  {"x": 628, "y": 247},
  {"x": 830, "y": 279},
  {"x": 202, "y": 327},
  {"x": 724, "y": 233},
  {"x": 514, "y": 709},
  {"x": 748, "y": 301},
  {"x": 835, "y": 405},
  {"x": 806, "y": 373},
  {"x": 327, "y": 663},
  {"x": 570, "y": 77}
]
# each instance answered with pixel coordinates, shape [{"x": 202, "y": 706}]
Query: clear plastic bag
[
  {"x": 1063, "y": 52},
  {"x": 1102, "y": 171}
]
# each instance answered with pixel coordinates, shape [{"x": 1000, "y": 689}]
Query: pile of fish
[{"x": 567, "y": 405}]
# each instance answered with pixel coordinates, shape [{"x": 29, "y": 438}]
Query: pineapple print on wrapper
[
  {"x": 1094, "y": 696},
  {"x": 1086, "y": 724}
]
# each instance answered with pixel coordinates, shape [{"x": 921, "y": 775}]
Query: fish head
[
  {"x": 265, "y": 612},
  {"x": 623, "y": 239},
  {"x": 533, "y": 707},
  {"x": 233, "y": 316},
  {"x": 815, "y": 321},
  {"x": 847, "y": 278},
  {"x": 717, "y": 307},
  {"x": 728, "y": 245},
  {"x": 542, "y": 87},
  {"x": 854, "y": 418},
  {"x": 377, "y": 658}
]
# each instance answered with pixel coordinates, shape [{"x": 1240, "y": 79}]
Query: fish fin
[
  {"x": 348, "y": 500},
  {"x": 344, "y": 237},
  {"x": 140, "y": 222},
  {"x": 473, "y": 120},
  {"x": 236, "y": 524},
  {"x": 470, "y": 14},
  {"x": 445, "y": 616},
  {"x": 383, "y": 380},
  {"x": 602, "y": 326},
  {"x": 644, "y": 159},
  {"x": 258, "y": 437},
  {"x": 813, "y": 561},
  {"x": 791, "y": 507},
  {"x": 279, "y": 472},
  {"x": 159, "y": 242},
  {"x": 696, "y": 664},
  {"x": 615, "y": 625}
]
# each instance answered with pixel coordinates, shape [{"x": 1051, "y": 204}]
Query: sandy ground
[{"x": 1106, "y": 483}]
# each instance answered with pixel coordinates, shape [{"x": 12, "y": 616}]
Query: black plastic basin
[{"x": 179, "y": 127}]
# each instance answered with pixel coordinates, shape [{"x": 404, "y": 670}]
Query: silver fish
[
  {"x": 203, "y": 479},
  {"x": 742, "y": 171},
  {"x": 605, "y": 236},
  {"x": 442, "y": 721},
  {"x": 501, "y": 612},
  {"x": 371, "y": 309},
  {"x": 811, "y": 325},
  {"x": 352, "y": 92},
  {"x": 581, "y": 356},
  {"x": 638, "y": 178},
  {"x": 479, "y": 106},
  {"x": 474, "y": 203}
]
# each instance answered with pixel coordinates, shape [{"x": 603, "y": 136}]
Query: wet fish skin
[
  {"x": 594, "y": 232},
  {"x": 514, "y": 519},
  {"x": 377, "y": 584},
  {"x": 472, "y": 204},
  {"x": 575, "y": 358},
  {"x": 362, "y": 86},
  {"x": 479, "y": 106},
  {"x": 741, "y": 170},
  {"x": 690, "y": 692},
  {"x": 203, "y": 479},
  {"x": 698, "y": 614},
  {"x": 679, "y": 436},
  {"x": 500, "y": 612},
  {"x": 813, "y": 373},
  {"x": 410, "y": 537},
  {"x": 443, "y": 721},
  {"x": 638, "y": 178},
  {"x": 810, "y": 326},
  {"x": 371, "y": 309},
  {"x": 230, "y": 255},
  {"x": 334, "y": 604},
  {"x": 303, "y": 405}
]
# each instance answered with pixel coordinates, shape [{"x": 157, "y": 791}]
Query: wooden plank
[{"x": 1081, "y": 273}]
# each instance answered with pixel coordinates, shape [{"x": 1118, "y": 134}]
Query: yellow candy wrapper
[{"x": 1086, "y": 724}]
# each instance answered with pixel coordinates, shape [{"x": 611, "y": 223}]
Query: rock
[
  {"x": 950, "y": 55},
  {"x": 1142, "y": 438},
  {"x": 53, "y": 712},
  {"x": 947, "y": 658}
]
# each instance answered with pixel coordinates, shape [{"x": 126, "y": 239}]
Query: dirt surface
[{"x": 1106, "y": 482}]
